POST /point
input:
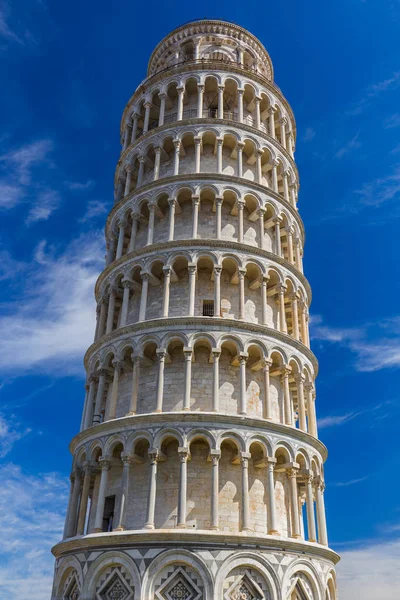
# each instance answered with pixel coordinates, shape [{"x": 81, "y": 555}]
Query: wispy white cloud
[
  {"x": 44, "y": 205},
  {"x": 350, "y": 482},
  {"x": 375, "y": 345},
  {"x": 23, "y": 159},
  {"x": 370, "y": 572},
  {"x": 373, "y": 91},
  {"x": 79, "y": 186},
  {"x": 332, "y": 420},
  {"x": 95, "y": 208},
  {"x": 5, "y": 28},
  {"x": 352, "y": 144},
  {"x": 380, "y": 190},
  {"x": 309, "y": 134},
  {"x": 55, "y": 322},
  {"x": 32, "y": 509},
  {"x": 11, "y": 431},
  {"x": 392, "y": 121},
  {"x": 9, "y": 267}
]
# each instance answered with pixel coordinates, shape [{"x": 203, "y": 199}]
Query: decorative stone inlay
[
  {"x": 72, "y": 589},
  {"x": 244, "y": 588},
  {"x": 179, "y": 586},
  {"x": 115, "y": 588}
]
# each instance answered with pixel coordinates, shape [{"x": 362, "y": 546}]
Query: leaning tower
[{"x": 197, "y": 472}]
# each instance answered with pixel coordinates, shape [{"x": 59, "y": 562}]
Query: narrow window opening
[
  {"x": 208, "y": 308},
  {"x": 108, "y": 514}
]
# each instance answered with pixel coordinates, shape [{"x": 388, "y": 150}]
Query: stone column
[
  {"x": 161, "y": 116},
  {"x": 126, "y": 136},
  {"x": 134, "y": 127},
  {"x": 303, "y": 323},
  {"x": 167, "y": 280},
  {"x": 215, "y": 456},
  {"x": 267, "y": 408},
  {"x": 105, "y": 465},
  {"x": 217, "y": 291},
  {"x": 102, "y": 317},
  {"x": 161, "y": 354},
  {"x": 294, "y": 513},
  {"x": 243, "y": 391},
  {"x": 200, "y": 95},
  {"x": 143, "y": 299},
  {"x": 312, "y": 535},
  {"x": 183, "y": 454},
  {"x": 271, "y": 506},
  {"x": 132, "y": 240},
  {"x": 312, "y": 419},
  {"x": 135, "y": 385},
  {"x": 196, "y": 202},
  {"x": 291, "y": 144},
  {"x": 261, "y": 213},
  {"x": 289, "y": 235},
  {"x": 293, "y": 194},
  {"x": 147, "y": 107},
  {"x": 126, "y": 284},
  {"x": 221, "y": 102},
  {"x": 192, "y": 288},
  {"x": 258, "y": 112},
  {"x": 295, "y": 317},
  {"x": 150, "y": 229},
  {"x": 218, "y": 216},
  {"x": 102, "y": 373},
  {"x": 73, "y": 509},
  {"x": 299, "y": 378},
  {"x": 220, "y": 142},
  {"x": 181, "y": 92},
  {"x": 283, "y": 131},
  {"x": 197, "y": 153},
  {"x": 285, "y": 176},
  {"x": 278, "y": 249},
  {"x": 244, "y": 459},
  {"x": 142, "y": 160},
  {"x": 111, "y": 310},
  {"x": 157, "y": 158},
  {"x": 297, "y": 253},
  {"x": 275, "y": 176},
  {"x": 271, "y": 112},
  {"x": 215, "y": 398},
  {"x": 111, "y": 250},
  {"x": 188, "y": 353},
  {"x": 80, "y": 530},
  {"x": 128, "y": 180},
  {"x": 286, "y": 395},
  {"x": 321, "y": 519},
  {"x": 151, "y": 502},
  {"x": 240, "y": 104},
  {"x": 259, "y": 154},
  {"x": 239, "y": 150},
  {"x": 171, "y": 226},
  {"x": 123, "y": 503},
  {"x": 242, "y": 273},
  {"x": 264, "y": 300},
  {"x": 282, "y": 315},
  {"x": 177, "y": 148},
  {"x": 117, "y": 364},
  {"x": 90, "y": 403}
]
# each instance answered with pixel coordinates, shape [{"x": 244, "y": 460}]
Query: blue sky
[{"x": 67, "y": 71}]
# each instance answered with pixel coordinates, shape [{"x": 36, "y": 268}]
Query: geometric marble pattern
[
  {"x": 178, "y": 585},
  {"x": 244, "y": 588},
  {"x": 115, "y": 587}
]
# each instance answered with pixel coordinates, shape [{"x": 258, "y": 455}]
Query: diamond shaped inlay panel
[{"x": 115, "y": 589}]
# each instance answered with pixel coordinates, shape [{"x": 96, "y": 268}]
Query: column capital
[
  {"x": 261, "y": 212},
  {"x": 147, "y": 104},
  {"x": 277, "y": 220},
  {"x": 283, "y": 121},
  {"x": 221, "y": 87},
  {"x": 309, "y": 477},
  {"x": 142, "y": 158},
  {"x": 161, "y": 353},
  {"x": 127, "y": 459},
  {"x": 267, "y": 363},
  {"x": 281, "y": 288},
  {"x": 196, "y": 200},
  {"x": 93, "y": 378},
  {"x": 218, "y": 200},
  {"x": 240, "y": 91},
  {"x": 167, "y": 271},
  {"x": 217, "y": 270},
  {"x": 200, "y": 87},
  {"x": 299, "y": 378},
  {"x": 197, "y": 139},
  {"x": 118, "y": 364},
  {"x": 127, "y": 283},
  {"x": 272, "y": 110},
  {"x": 216, "y": 352},
  {"x": 220, "y": 140},
  {"x": 183, "y": 453},
  {"x": 243, "y": 356},
  {"x": 309, "y": 386},
  {"x": 162, "y": 95},
  {"x": 153, "y": 455},
  {"x": 291, "y": 472},
  {"x": 102, "y": 372},
  {"x": 105, "y": 463},
  {"x": 192, "y": 268},
  {"x": 286, "y": 370},
  {"x": 240, "y": 204},
  {"x": 188, "y": 353},
  {"x": 145, "y": 276},
  {"x": 135, "y": 216},
  {"x": 242, "y": 272},
  {"x": 240, "y": 145},
  {"x": 121, "y": 222},
  {"x": 136, "y": 358},
  {"x": 129, "y": 168},
  {"x": 172, "y": 202}
]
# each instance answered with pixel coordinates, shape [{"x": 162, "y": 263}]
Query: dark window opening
[
  {"x": 208, "y": 308},
  {"x": 108, "y": 514}
]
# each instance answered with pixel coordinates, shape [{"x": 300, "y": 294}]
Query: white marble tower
[{"x": 198, "y": 473}]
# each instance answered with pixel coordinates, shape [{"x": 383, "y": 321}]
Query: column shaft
[{"x": 105, "y": 467}]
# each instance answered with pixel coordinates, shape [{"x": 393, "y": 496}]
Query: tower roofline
[{"x": 241, "y": 31}]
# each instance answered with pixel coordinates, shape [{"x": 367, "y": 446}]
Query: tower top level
[{"x": 211, "y": 40}]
